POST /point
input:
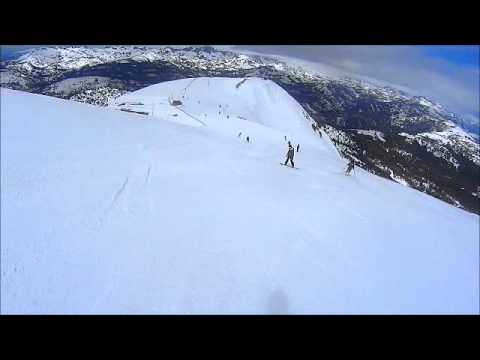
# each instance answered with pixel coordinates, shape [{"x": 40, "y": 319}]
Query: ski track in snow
[
  {"x": 147, "y": 177},
  {"x": 118, "y": 193}
]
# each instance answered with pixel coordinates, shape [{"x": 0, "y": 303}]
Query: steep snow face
[
  {"x": 230, "y": 105},
  {"x": 111, "y": 212}
]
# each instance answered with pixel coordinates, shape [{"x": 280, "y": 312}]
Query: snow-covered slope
[
  {"x": 105, "y": 211},
  {"x": 436, "y": 157},
  {"x": 253, "y": 106}
]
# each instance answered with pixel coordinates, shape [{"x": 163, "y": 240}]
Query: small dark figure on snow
[
  {"x": 298, "y": 147},
  {"x": 239, "y": 134},
  {"x": 285, "y": 138},
  {"x": 350, "y": 167},
  {"x": 320, "y": 133},
  {"x": 248, "y": 139},
  {"x": 290, "y": 154}
]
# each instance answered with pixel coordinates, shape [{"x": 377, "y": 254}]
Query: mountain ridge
[{"x": 433, "y": 152}]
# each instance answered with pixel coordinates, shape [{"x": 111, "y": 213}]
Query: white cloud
[{"x": 405, "y": 67}]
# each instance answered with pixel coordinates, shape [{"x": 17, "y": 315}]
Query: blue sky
[{"x": 457, "y": 55}]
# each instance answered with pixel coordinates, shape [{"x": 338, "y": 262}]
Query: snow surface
[
  {"x": 253, "y": 106},
  {"x": 111, "y": 212}
]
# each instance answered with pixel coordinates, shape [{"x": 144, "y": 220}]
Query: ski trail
[
  {"x": 193, "y": 117},
  {"x": 186, "y": 87},
  {"x": 100, "y": 221},
  {"x": 118, "y": 193},
  {"x": 147, "y": 177},
  {"x": 132, "y": 180},
  {"x": 240, "y": 83}
]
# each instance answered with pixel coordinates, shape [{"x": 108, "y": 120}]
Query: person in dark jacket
[
  {"x": 350, "y": 167},
  {"x": 248, "y": 138},
  {"x": 298, "y": 147},
  {"x": 290, "y": 154}
]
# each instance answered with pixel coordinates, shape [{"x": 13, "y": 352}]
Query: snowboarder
[
  {"x": 290, "y": 154},
  {"x": 298, "y": 147},
  {"x": 350, "y": 167}
]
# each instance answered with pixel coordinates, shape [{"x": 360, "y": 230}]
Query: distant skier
[
  {"x": 239, "y": 134},
  {"x": 290, "y": 154},
  {"x": 248, "y": 139},
  {"x": 350, "y": 167},
  {"x": 319, "y": 133},
  {"x": 285, "y": 137},
  {"x": 298, "y": 147}
]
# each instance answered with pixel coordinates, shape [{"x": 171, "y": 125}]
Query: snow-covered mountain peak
[
  {"x": 78, "y": 56},
  {"x": 225, "y": 104},
  {"x": 51, "y": 60}
]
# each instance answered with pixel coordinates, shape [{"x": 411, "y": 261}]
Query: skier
[
  {"x": 320, "y": 133},
  {"x": 239, "y": 134},
  {"x": 290, "y": 154},
  {"x": 248, "y": 139},
  {"x": 350, "y": 167},
  {"x": 285, "y": 137},
  {"x": 298, "y": 147}
]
